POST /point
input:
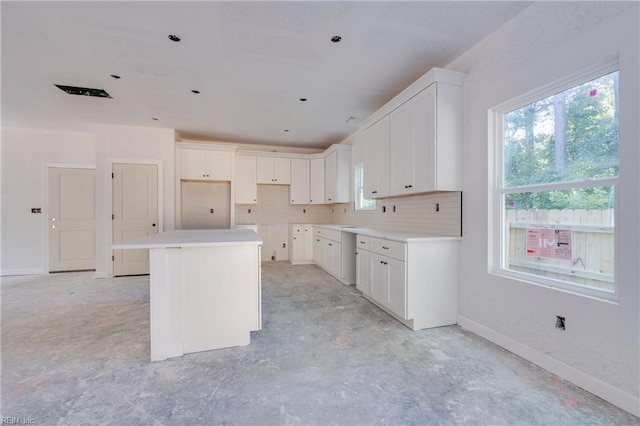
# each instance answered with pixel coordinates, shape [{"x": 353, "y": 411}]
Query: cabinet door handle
[
  {"x": 330, "y": 244},
  {"x": 410, "y": 186},
  {"x": 386, "y": 248},
  {"x": 362, "y": 242},
  {"x": 374, "y": 192}
]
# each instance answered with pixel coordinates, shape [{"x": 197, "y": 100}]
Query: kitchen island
[{"x": 205, "y": 289}]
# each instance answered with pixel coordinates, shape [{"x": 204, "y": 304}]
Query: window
[
  {"x": 557, "y": 169},
  {"x": 361, "y": 202}
]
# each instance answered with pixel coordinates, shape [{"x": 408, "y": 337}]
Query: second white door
[{"x": 135, "y": 214}]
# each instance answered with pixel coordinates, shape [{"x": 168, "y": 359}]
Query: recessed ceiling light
[
  {"x": 336, "y": 39},
  {"x": 116, "y": 76},
  {"x": 83, "y": 91},
  {"x": 303, "y": 99},
  {"x": 174, "y": 37},
  {"x": 195, "y": 91},
  {"x": 154, "y": 118}
]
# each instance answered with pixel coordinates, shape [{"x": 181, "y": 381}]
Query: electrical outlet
[
  {"x": 437, "y": 207},
  {"x": 249, "y": 210},
  {"x": 384, "y": 209},
  {"x": 394, "y": 209}
]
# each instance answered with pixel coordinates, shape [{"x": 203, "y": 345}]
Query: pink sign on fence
[{"x": 551, "y": 243}]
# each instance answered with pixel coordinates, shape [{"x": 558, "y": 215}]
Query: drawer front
[
  {"x": 392, "y": 249},
  {"x": 362, "y": 242},
  {"x": 332, "y": 234}
]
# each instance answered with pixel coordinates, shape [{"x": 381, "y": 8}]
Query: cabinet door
[
  {"x": 316, "y": 195},
  {"x": 333, "y": 259},
  {"x": 397, "y": 301},
  {"x": 330, "y": 172},
  {"x": 376, "y": 167},
  {"x": 194, "y": 164},
  {"x": 363, "y": 275},
  {"x": 379, "y": 279},
  {"x": 282, "y": 171},
  {"x": 297, "y": 252},
  {"x": 264, "y": 169},
  {"x": 246, "y": 188},
  {"x": 401, "y": 150},
  {"x": 318, "y": 251},
  {"x": 423, "y": 108},
  {"x": 220, "y": 163},
  {"x": 299, "y": 190},
  {"x": 308, "y": 243}
]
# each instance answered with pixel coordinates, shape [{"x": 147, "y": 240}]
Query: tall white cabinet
[{"x": 300, "y": 181}]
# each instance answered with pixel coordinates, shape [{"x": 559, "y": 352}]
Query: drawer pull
[
  {"x": 363, "y": 242},
  {"x": 386, "y": 248},
  {"x": 383, "y": 262},
  {"x": 330, "y": 244}
]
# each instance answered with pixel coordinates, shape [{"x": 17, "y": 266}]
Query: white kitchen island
[{"x": 205, "y": 289}]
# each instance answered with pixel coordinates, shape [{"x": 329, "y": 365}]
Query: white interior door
[
  {"x": 135, "y": 214},
  {"x": 72, "y": 219}
]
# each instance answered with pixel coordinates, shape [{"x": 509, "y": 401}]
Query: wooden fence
[{"x": 592, "y": 245}]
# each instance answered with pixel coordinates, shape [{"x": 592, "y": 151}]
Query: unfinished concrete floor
[{"x": 75, "y": 351}]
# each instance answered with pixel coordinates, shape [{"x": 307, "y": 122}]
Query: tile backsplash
[{"x": 437, "y": 213}]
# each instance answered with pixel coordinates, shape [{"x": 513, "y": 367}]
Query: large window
[{"x": 557, "y": 169}]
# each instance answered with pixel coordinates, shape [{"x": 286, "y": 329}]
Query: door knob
[{"x": 153, "y": 224}]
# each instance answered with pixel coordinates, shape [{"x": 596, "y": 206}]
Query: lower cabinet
[
  {"x": 416, "y": 282},
  {"x": 300, "y": 244},
  {"x": 334, "y": 251}
]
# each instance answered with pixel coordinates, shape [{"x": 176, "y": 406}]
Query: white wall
[
  {"x": 128, "y": 144},
  {"x": 599, "y": 350},
  {"x": 25, "y": 155}
]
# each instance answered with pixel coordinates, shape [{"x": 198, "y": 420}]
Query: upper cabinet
[
  {"x": 316, "y": 181},
  {"x": 274, "y": 170},
  {"x": 246, "y": 188},
  {"x": 300, "y": 181},
  {"x": 337, "y": 174},
  {"x": 419, "y": 133},
  {"x": 376, "y": 159},
  {"x": 206, "y": 164}
]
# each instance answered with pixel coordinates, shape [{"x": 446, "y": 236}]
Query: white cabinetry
[
  {"x": 337, "y": 174},
  {"x": 363, "y": 265},
  {"x": 301, "y": 244},
  {"x": 425, "y": 142},
  {"x": 300, "y": 181},
  {"x": 334, "y": 251},
  {"x": 274, "y": 170},
  {"x": 415, "y": 281},
  {"x": 206, "y": 164},
  {"x": 246, "y": 188},
  {"x": 316, "y": 184},
  {"x": 376, "y": 164}
]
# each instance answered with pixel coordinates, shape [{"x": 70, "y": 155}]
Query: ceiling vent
[{"x": 83, "y": 91}]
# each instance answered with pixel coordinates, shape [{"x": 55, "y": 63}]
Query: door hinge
[
  {"x": 113, "y": 217},
  {"x": 112, "y": 176},
  {"x": 113, "y": 258}
]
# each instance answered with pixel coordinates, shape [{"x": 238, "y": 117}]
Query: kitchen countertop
[
  {"x": 401, "y": 236},
  {"x": 194, "y": 238}
]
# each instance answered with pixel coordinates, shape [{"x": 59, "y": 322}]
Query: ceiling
[{"x": 252, "y": 62}]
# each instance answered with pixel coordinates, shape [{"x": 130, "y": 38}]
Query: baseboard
[
  {"x": 591, "y": 384},
  {"x": 30, "y": 271}
]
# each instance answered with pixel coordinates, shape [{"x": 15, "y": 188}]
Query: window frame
[
  {"x": 497, "y": 212},
  {"x": 358, "y": 185}
]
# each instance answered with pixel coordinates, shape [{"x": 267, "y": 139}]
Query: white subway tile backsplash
[{"x": 413, "y": 213}]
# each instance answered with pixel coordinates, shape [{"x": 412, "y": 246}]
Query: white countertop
[
  {"x": 387, "y": 234},
  {"x": 194, "y": 238}
]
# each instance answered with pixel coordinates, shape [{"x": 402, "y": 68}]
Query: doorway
[{"x": 135, "y": 214}]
